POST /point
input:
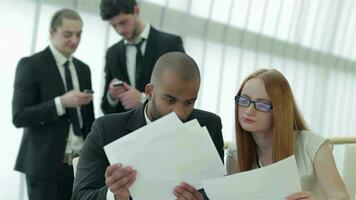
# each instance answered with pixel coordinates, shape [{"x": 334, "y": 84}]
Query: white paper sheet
[
  {"x": 115, "y": 149},
  {"x": 164, "y": 124},
  {"x": 275, "y": 181},
  {"x": 164, "y": 157}
]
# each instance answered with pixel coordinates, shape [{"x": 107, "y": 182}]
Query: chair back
[{"x": 75, "y": 163}]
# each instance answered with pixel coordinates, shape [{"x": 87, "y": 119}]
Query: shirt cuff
[
  {"x": 59, "y": 107},
  {"x": 110, "y": 100},
  {"x": 110, "y": 195},
  {"x": 143, "y": 97}
]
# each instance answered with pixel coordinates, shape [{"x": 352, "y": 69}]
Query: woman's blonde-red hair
[{"x": 286, "y": 118}]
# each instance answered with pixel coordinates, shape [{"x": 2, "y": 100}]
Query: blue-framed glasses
[{"x": 260, "y": 106}]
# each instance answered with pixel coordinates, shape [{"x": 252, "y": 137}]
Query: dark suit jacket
[
  {"x": 158, "y": 43},
  {"x": 37, "y": 83},
  {"x": 89, "y": 183}
]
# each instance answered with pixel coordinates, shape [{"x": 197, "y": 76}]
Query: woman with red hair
[{"x": 269, "y": 128}]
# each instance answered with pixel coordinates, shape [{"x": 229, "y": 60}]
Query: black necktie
[
  {"x": 73, "y": 114},
  {"x": 139, "y": 59}
]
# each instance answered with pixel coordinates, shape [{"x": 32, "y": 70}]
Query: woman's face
[{"x": 250, "y": 119}]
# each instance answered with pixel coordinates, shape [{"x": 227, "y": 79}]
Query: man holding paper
[{"x": 174, "y": 87}]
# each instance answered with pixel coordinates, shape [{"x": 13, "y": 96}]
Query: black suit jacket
[
  {"x": 158, "y": 43},
  {"x": 37, "y": 83},
  {"x": 89, "y": 183}
]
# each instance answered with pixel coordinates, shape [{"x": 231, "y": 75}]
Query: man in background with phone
[
  {"x": 129, "y": 63},
  {"x": 55, "y": 114}
]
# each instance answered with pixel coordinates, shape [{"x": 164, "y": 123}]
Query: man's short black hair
[
  {"x": 111, "y": 8},
  {"x": 180, "y": 64}
]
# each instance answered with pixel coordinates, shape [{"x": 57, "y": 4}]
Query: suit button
[
  {"x": 42, "y": 123},
  {"x": 68, "y": 120}
]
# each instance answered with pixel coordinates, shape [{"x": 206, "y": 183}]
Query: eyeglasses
[{"x": 260, "y": 106}]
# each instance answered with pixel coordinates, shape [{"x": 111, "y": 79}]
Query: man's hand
[
  {"x": 300, "y": 196},
  {"x": 119, "y": 179},
  {"x": 186, "y": 192},
  {"x": 72, "y": 99},
  {"x": 115, "y": 91},
  {"x": 130, "y": 98}
]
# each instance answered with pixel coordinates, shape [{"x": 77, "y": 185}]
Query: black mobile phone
[
  {"x": 118, "y": 83},
  {"x": 88, "y": 91}
]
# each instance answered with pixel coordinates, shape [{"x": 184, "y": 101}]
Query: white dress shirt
[{"x": 131, "y": 52}]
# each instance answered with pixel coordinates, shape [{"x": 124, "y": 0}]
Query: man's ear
[
  {"x": 136, "y": 10},
  {"x": 51, "y": 32},
  {"x": 149, "y": 91}
]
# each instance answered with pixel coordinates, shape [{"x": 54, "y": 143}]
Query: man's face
[
  {"x": 66, "y": 38},
  {"x": 171, "y": 95},
  {"x": 127, "y": 25}
]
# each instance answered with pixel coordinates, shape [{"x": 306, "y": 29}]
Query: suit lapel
[
  {"x": 122, "y": 61},
  {"x": 54, "y": 69},
  {"x": 151, "y": 49},
  {"x": 80, "y": 74},
  {"x": 137, "y": 119},
  {"x": 148, "y": 59},
  {"x": 81, "y": 80}
]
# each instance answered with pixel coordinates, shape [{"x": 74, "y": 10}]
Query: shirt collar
[
  {"x": 58, "y": 56},
  {"x": 145, "y": 113},
  {"x": 144, "y": 34}
]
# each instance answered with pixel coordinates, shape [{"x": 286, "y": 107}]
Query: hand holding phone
[
  {"x": 116, "y": 87},
  {"x": 118, "y": 83},
  {"x": 89, "y": 91}
]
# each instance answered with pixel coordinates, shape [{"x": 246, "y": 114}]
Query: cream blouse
[{"x": 306, "y": 145}]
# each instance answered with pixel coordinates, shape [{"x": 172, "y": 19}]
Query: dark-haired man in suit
[
  {"x": 131, "y": 60},
  {"x": 49, "y": 103},
  {"x": 173, "y": 87}
]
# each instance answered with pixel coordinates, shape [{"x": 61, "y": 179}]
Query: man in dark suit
[
  {"x": 55, "y": 114},
  {"x": 131, "y": 60},
  {"x": 174, "y": 87}
]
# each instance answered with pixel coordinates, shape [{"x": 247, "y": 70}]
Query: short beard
[
  {"x": 154, "y": 112},
  {"x": 135, "y": 31}
]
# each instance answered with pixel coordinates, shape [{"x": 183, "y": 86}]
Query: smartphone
[
  {"x": 118, "y": 83},
  {"x": 88, "y": 91}
]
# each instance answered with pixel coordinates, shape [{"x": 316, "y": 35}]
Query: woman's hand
[
  {"x": 186, "y": 192},
  {"x": 300, "y": 196}
]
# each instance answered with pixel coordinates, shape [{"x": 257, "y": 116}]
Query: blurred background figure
[
  {"x": 55, "y": 114},
  {"x": 131, "y": 60}
]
